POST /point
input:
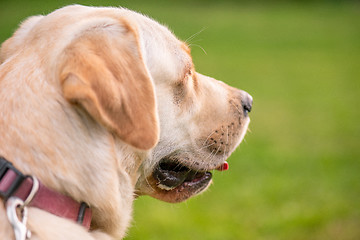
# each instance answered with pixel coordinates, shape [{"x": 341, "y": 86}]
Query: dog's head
[
  {"x": 202, "y": 120},
  {"x": 128, "y": 72}
]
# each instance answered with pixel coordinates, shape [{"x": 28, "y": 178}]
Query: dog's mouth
[
  {"x": 170, "y": 175},
  {"x": 176, "y": 182}
]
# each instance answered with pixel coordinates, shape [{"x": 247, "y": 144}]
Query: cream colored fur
[{"x": 85, "y": 95}]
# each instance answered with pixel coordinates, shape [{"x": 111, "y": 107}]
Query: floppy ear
[{"x": 103, "y": 71}]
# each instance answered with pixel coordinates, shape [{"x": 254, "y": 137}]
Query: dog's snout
[{"x": 247, "y": 102}]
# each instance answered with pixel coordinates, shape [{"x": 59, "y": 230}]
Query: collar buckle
[{"x": 7, "y": 170}]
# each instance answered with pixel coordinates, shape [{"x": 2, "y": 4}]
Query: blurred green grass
[{"x": 297, "y": 175}]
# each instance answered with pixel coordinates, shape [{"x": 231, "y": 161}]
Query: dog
[{"x": 103, "y": 104}]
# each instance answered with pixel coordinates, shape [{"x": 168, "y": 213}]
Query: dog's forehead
[{"x": 166, "y": 57}]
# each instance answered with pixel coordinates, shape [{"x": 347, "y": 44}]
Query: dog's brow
[{"x": 189, "y": 66}]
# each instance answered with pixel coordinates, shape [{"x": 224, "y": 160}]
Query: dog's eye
[
  {"x": 188, "y": 76},
  {"x": 189, "y": 73}
]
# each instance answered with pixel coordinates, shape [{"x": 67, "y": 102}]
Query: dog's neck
[{"x": 68, "y": 152}]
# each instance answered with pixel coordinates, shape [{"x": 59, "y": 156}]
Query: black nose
[{"x": 247, "y": 102}]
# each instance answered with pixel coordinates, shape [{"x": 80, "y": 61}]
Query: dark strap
[{"x": 14, "y": 183}]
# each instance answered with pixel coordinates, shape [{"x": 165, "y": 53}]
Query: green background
[{"x": 297, "y": 174}]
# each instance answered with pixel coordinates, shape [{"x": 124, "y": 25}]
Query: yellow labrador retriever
[{"x": 98, "y": 104}]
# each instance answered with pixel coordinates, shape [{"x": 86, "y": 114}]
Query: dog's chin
[{"x": 181, "y": 193}]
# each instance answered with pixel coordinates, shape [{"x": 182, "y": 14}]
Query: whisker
[
  {"x": 224, "y": 154},
  {"x": 146, "y": 180},
  {"x": 199, "y": 149},
  {"x": 227, "y": 136},
  {"x": 236, "y": 107},
  {"x": 217, "y": 151},
  {"x": 194, "y": 35},
  {"x": 198, "y": 40},
  {"x": 196, "y": 45},
  {"x": 178, "y": 165},
  {"x": 209, "y": 155},
  {"x": 231, "y": 137},
  {"x": 209, "y": 137}
]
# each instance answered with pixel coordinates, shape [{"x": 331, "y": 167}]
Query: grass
[{"x": 297, "y": 175}]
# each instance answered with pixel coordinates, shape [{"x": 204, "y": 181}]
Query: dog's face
[{"x": 202, "y": 120}]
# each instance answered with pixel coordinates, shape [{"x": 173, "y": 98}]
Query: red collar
[{"x": 35, "y": 194}]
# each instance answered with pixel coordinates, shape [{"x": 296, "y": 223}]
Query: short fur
[{"x": 92, "y": 99}]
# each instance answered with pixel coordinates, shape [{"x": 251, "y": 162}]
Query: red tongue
[{"x": 223, "y": 167}]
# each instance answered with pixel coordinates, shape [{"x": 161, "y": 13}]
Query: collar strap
[{"x": 35, "y": 194}]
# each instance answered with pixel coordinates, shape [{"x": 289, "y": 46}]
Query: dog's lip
[
  {"x": 185, "y": 190},
  {"x": 198, "y": 183}
]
